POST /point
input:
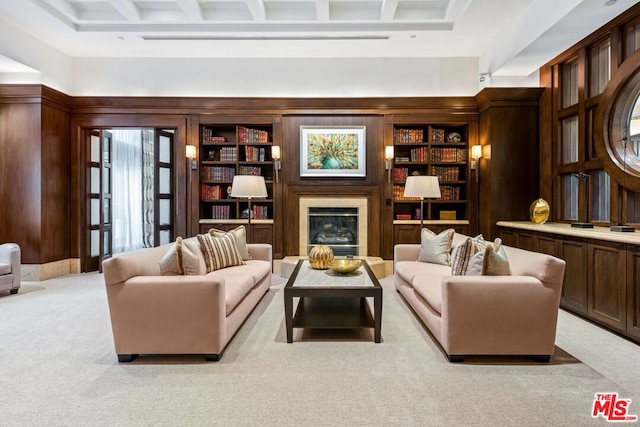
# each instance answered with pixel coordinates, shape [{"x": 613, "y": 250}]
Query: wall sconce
[
  {"x": 275, "y": 155},
  {"x": 388, "y": 157},
  {"x": 476, "y": 155},
  {"x": 191, "y": 153}
]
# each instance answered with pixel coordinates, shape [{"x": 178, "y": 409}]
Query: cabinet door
[
  {"x": 261, "y": 233},
  {"x": 633, "y": 292},
  {"x": 548, "y": 245},
  {"x": 509, "y": 238},
  {"x": 528, "y": 242},
  {"x": 607, "y": 287},
  {"x": 406, "y": 233},
  {"x": 574, "y": 288}
]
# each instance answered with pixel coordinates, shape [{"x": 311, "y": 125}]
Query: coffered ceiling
[{"x": 517, "y": 34}]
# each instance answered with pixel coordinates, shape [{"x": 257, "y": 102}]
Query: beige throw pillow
[
  {"x": 488, "y": 262},
  {"x": 179, "y": 260},
  {"x": 219, "y": 252},
  {"x": 240, "y": 234},
  {"x": 436, "y": 248}
]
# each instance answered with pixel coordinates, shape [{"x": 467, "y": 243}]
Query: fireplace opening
[{"x": 334, "y": 227}]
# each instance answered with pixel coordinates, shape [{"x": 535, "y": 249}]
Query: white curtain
[{"x": 126, "y": 196}]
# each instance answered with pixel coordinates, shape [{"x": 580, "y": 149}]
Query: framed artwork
[{"x": 332, "y": 151}]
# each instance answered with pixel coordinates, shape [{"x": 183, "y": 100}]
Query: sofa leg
[
  {"x": 212, "y": 357},
  {"x": 542, "y": 359},
  {"x": 125, "y": 358},
  {"x": 13, "y": 291},
  {"x": 456, "y": 358}
]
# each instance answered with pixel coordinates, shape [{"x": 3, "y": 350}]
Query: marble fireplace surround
[{"x": 306, "y": 202}]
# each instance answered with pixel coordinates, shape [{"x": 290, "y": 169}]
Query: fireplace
[{"x": 340, "y": 223}]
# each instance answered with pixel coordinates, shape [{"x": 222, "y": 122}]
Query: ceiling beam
[
  {"x": 192, "y": 9},
  {"x": 322, "y": 10},
  {"x": 388, "y": 9},
  {"x": 257, "y": 9},
  {"x": 62, "y": 7},
  {"x": 126, "y": 8}
]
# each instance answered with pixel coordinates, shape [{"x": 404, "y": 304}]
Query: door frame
[{"x": 80, "y": 125}]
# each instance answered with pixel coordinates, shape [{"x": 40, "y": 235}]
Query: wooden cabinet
[
  {"x": 226, "y": 150},
  {"x": 606, "y": 292},
  {"x": 438, "y": 150},
  {"x": 602, "y": 278},
  {"x": 633, "y": 293},
  {"x": 574, "y": 289}
]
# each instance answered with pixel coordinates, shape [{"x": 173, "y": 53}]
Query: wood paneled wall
[
  {"x": 41, "y": 137},
  {"x": 34, "y": 171}
]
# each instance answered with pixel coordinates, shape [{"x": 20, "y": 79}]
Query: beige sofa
[
  {"x": 193, "y": 314},
  {"x": 485, "y": 315}
]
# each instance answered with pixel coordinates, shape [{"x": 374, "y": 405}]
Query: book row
[{"x": 217, "y": 173}]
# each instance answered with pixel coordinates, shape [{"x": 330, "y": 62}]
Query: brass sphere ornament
[
  {"x": 320, "y": 257},
  {"x": 539, "y": 211}
]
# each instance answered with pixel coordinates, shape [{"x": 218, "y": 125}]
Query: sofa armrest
[
  {"x": 163, "y": 314},
  {"x": 405, "y": 252},
  {"x": 261, "y": 251},
  {"x": 480, "y": 311},
  {"x": 10, "y": 254}
]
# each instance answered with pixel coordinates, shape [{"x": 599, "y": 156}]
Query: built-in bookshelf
[
  {"x": 227, "y": 150},
  {"x": 438, "y": 150}
]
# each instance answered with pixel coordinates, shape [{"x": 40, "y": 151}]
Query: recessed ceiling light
[
  {"x": 412, "y": 36},
  {"x": 120, "y": 37},
  {"x": 610, "y": 2}
]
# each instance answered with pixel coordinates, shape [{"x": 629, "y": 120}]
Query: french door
[{"x": 156, "y": 194}]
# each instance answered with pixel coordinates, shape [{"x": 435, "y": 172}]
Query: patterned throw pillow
[
  {"x": 436, "y": 248},
  {"x": 241, "y": 239},
  {"x": 219, "y": 252},
  {"x": 462, "y": 257},
  {"x": 179, "y": 260}
]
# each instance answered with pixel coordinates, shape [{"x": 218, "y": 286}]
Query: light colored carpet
[{"x": 58, "y": 368}]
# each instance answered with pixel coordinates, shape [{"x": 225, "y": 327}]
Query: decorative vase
[
  {"x": 539, "y": 211},
  {"x": 320, "y": 257}
]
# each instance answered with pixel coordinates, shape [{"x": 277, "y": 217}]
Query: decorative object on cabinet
[
  {"x": 320, "y": 257},
  {"x": 583, "y": 177},
  {"x": 249, "y": 187},
  {"x": 275, "y": 155},
  {"x": 335, "y": 151},
  {"x": 539, "y": 211},
  {"x": 422, "y": 187}
]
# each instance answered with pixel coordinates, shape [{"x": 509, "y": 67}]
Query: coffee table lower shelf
[{"x": 333, "y": 313}]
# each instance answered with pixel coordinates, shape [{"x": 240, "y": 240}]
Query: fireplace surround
[{"x": 338, "y": 222}]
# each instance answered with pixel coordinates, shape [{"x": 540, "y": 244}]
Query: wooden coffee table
[{"x": 330, "y": 300}]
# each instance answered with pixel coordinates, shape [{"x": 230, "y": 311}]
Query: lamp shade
[
  {"x": 248, "y": 186},
  {"x": 388, "y": 152},
  {"x": 275, "y": 152},
  {"x": 191, "y": 151},
  {"x": 422, "y": 186}
]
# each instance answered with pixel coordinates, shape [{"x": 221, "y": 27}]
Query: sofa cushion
[
  {"x": 179, "y": 260},
  {"x": 409, "y": 270},
  {"x": 429, "y": 288},
  {"x": 236, "y": 287},
  {"x": 488, "y": 263},
  {"x": 256, "y": 269},
  {"x": 436, "y": 248},
  {"x": 5, "y": 268},
  {"x": 462, "y": 257},
  {"x": 481, "y": 243},
  {"x": 241, "y": 239},
  {"x": 219, "y": 252}
]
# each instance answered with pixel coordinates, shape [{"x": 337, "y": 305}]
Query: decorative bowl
[
  {"x": 320, "y": 257},
  {"x": 345, "y": 266}
]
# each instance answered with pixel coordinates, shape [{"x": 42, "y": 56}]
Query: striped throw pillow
[
  {"x": 462, "y": 256},
  {"x": 219, "y": 252}
]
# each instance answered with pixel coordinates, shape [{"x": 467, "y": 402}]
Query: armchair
[{"x": 9, "y": 267}]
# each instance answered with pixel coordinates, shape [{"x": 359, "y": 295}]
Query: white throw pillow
[{"x": 434, "y": 248}]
